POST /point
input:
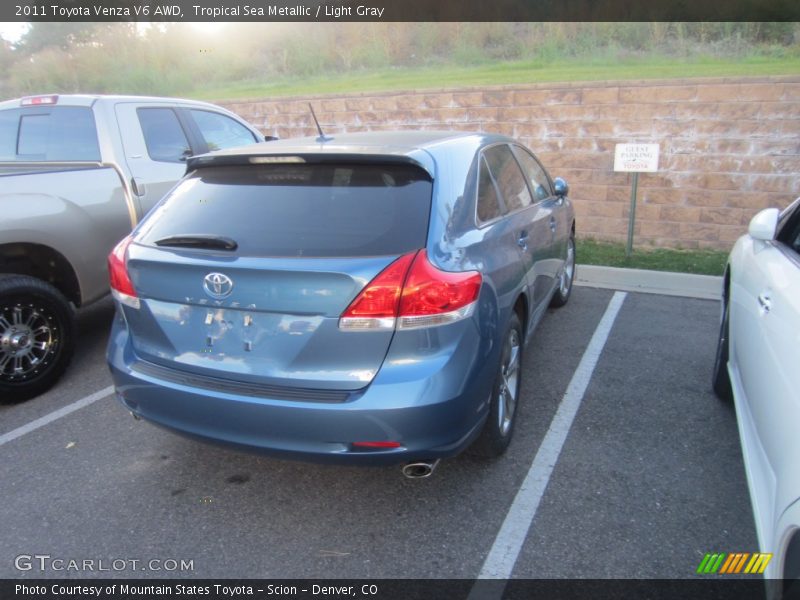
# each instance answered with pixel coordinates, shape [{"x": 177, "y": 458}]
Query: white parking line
[
  {"x": 507, "y": 545},
  {"x": 56, "y": 414}
]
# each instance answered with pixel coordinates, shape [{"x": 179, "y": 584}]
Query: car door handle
[
  {"x": 552, "y": 224},
  {"x": 522, "y": 241},
  {"x": 137, "y": 186},
  {"x": 765, "y": 302}
]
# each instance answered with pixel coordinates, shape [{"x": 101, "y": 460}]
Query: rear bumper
[{"x": 433, "y": 406}]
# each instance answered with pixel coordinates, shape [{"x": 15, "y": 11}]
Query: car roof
[
  {"x": 409, "y": 139},
  {"x": 362, "y": 142},
  {"x": 91, "y": 99},
  {"x": 415, "y": 147}
]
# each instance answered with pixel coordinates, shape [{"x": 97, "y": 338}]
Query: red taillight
[
  {"x": 376, "y": 444},
  {"x": 410, "y": 293},
  {"x": 121, "y": 285},
  {"x": 376, "y": 306},
  {"x": 429, "y": 291}
]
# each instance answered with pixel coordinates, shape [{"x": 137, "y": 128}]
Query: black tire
[
  {"x": 567, "y": 277},
  {"x": 504, "y": 405},
  {"x": 720, "y": 381},
  {"x": 37, "y": 336}
]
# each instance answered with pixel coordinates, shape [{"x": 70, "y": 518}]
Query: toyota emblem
[{"x": 217, "y": 285}]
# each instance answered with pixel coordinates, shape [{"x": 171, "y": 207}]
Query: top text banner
[{"x": 398, "y": 10}]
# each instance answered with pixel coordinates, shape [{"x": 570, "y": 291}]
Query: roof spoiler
[{"x": 227, "y": 160}]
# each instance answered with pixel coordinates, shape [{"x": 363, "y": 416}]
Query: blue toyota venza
[{"x": 364, "y": 299}]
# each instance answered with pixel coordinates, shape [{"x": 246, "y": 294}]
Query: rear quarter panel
[
  {"x": 455, "y": 243},
  {"x": 80, "y": 213}
]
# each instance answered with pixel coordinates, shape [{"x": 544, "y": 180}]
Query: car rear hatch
[{"x": 243, "y": 272}]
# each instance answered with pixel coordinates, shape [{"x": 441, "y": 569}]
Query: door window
[
  {"x": 537, "y": 178},
  {"x": 165, "y": 139},
  {"x": 220, "y": 131}
]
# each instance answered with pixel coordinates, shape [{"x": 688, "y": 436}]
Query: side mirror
[
  {"x": 560, "y": 187},
  {"x": 763, "y": 225}
]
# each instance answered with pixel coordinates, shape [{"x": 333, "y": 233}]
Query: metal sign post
[
  {"x": 635, "y": 158},
  {"x": 632, "y": 214}
]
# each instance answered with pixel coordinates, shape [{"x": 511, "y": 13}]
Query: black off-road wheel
[
  {"x": 499, "y": 426},
  {"x": 37, "y": 336}
]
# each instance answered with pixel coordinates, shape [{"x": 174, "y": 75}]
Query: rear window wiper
[{"x": 199, "y": 240}]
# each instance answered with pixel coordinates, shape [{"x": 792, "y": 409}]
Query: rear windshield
[
  {"x": 48, "y": 133},
  {"x": 296, "y": 210}
]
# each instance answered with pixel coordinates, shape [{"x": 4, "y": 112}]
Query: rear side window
[
  {"x": 53, "y": 133},
  {"x": 507, "y": 174},
  {"x": 488, "y": 203},
  {"x": 163, "y": 135},
  {"x": 318, "y": 210},
  {"x": 220, "y": 131}
]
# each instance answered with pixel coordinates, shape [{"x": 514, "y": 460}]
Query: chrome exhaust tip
[
  {"x": 135, "y": 416},
  {"x": 419, "y": 469}
]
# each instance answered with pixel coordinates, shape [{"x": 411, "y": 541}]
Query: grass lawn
[
  {"x": 701, "y": 262},
  {"x": 502, "y": 73}
]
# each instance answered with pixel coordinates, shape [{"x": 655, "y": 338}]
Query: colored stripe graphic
[
  {"x": 734, "y": 563},
  {"x": 710, "y": 563},
  {"x": 741, "y": 563},
  {"x": 717, "y": 564},
  {"x": 703, "y": 563},
  {"x": 758, "y": 563},
  {"x": 765, "y": 558},
  {"x": 729, "y": 564}
]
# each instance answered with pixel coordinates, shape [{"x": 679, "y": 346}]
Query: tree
[{"x": 64, "y": 36}]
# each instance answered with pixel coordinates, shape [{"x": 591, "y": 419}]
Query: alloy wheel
[
  {"x": 509, "y": 371},
  {"x": 28, "y": 341}
]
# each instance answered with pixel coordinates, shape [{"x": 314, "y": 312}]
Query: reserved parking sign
[{"x": 636, "y": 158}]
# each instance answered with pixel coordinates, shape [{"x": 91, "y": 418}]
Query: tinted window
[
  {"x": 508, "y": 176},
  {"x": 33, "y": 134},
  {"x": 163, "y": 134},
  {"x": 488, "y": 204},
  {"x": 63, "y": 133},
  {"x": 220, "y": 131},
  {"x": 794, "y": 239},
  {"x": 790, "y": 232},
  {"x": 302, "y": 210},
  {"x": 537, "y": 178}
]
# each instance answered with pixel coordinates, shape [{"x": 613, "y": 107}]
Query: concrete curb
[{"x": 706, "y": 287}]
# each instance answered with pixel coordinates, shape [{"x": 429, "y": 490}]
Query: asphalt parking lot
[{"x": 648, "y": 479}]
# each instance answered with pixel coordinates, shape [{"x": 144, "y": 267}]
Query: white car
[{"x": 758, "y": 366}]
